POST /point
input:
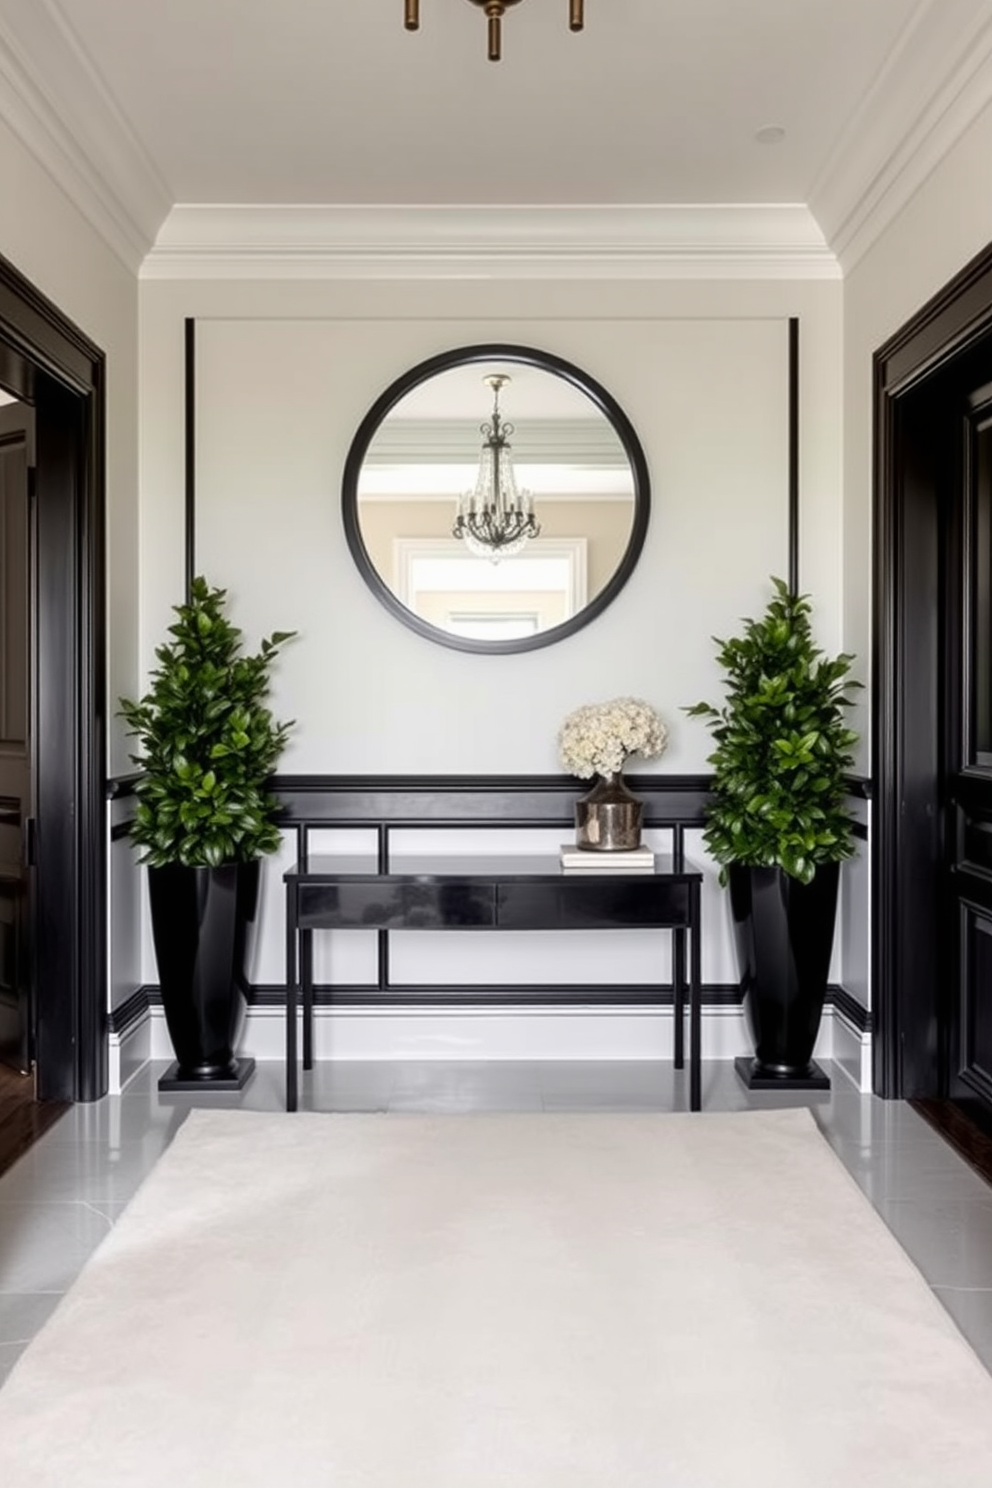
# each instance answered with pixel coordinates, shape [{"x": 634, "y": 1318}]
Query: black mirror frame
[{"x": 460, "y": 357}]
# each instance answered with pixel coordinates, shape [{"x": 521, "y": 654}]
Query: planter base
[
  {"x": 171, "y": 1081},
  {"x": 754, "y": 1079}
]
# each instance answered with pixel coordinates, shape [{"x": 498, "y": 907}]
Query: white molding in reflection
[
  {"x": 570, "y": 552},
  {"x": 506, "y": 242}
]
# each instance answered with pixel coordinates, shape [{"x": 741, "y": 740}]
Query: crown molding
[
  {"x": 429, "y": 242},
  {"x": 59, "y": 108},
  {"x": 935, "y": 84}
]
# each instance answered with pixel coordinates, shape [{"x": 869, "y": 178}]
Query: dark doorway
[
  {"x": 16, "y": 693},
  {"x": 54, "y": 952},
  {"x": 932, "y": 965}
]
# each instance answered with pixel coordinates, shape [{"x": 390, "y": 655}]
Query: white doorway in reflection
[{"x": 465, "y": 595}]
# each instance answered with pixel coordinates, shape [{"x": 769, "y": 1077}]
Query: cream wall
[
  {"x": 706, "y": 559},
  {"x": 285, "y": 373},
  {"x": 45, "y": 236}
]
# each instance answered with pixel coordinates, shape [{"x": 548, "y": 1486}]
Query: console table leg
[
  {"x": 306, "y": 976},
  {"x": 291, "y": 996},
  {"x": 678, "y": 998},
  {"x": 695, "y": 1010}
]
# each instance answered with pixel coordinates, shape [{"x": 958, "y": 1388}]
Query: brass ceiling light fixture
[{"x": 495, "y": 10}]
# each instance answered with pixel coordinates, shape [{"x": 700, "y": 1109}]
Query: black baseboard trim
[
  {"x": 850, "y": 1009},
  {"x": 129, "y": 1012},
  {"x": 716, "y": 994}
]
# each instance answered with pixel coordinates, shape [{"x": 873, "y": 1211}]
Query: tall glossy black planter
[
  {"x": 784, "y": 931},
  {"x": 200, "y": 924}
]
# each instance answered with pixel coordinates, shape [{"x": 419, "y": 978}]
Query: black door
[
  {"x": 58, "y": 374},
  {"x": 966, "y": 1023},
  {"x": 16, "y": 809}
]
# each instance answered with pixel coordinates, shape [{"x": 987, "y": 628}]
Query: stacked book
[{"x": 584, "y": 860}]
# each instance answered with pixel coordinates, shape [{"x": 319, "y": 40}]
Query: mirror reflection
[{"x": 495, "y": 501}]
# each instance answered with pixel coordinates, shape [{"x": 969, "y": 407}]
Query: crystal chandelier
[
  {"x": 496, "y": 519},
  {"x": 495, "y": 10}
]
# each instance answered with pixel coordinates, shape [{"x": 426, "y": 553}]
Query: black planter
[
  {"x": 784, "y": 931},
  {"x": 200, "y": 924}
]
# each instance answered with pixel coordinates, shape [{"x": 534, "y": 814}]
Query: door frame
[
  {"x": 48, "y": 362},
  {"x": 906, "y": 1052}
]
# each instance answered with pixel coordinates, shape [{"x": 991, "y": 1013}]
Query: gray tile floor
[{"x": 63, "y": 1196}]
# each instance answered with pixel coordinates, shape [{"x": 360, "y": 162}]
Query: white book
[
  {"x": 578, "y": 857},
  {"x": 580, "y": 871}
]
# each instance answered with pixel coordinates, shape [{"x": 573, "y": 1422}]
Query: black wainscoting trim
[
  {"x": 676, "y": 801},
  {"x": 484, "y": 800},
  {"x": 119, "y": 786},
  {"x": 120, "y": 830},
  {"x": 860, "y": 831},
  {"x": 443, "y": 797},
  {"x": 491, "y": 995}
]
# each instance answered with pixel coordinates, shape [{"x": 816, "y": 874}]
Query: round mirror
[{"x": 495, "y": 498}]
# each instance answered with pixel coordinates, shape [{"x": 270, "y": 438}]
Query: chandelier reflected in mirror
[
  {"x": 496, "y": 518},
  {"x": 495, "y": 10}
]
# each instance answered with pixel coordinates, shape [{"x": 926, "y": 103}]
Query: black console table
[{"x": 510, "y": 892}]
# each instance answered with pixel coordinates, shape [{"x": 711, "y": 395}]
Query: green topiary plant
[
  {"x": 782, "y": 746},
  {"x": 208, "y": 743}
]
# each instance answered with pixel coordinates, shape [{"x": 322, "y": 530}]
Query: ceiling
[{"x": 333, "y": 102}]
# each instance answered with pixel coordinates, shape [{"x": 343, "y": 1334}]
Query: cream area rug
[{"x": 529, "y": 1301}]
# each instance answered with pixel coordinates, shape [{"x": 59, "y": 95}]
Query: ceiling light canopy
[{"x": 495, "y": 10}]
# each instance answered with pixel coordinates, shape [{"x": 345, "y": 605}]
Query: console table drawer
[
  {"x": 575, "y": 903},
  {"x": 396, "y": 904}
]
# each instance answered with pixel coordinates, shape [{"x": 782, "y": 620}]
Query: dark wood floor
[
  {"x": 22, "y": 1118},
  {"x": 974, "y": 1145}
]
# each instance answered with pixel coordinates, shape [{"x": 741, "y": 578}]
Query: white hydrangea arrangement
[{"x": 597, "y": 738}]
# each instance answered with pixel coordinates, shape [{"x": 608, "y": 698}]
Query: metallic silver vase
[{"x": 608, "y": 818}]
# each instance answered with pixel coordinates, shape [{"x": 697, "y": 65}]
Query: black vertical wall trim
[
  {"x": 190, "y": 453},
  {"x": 93, "y": 1055},
  {"x": 794, "y": 454}
]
